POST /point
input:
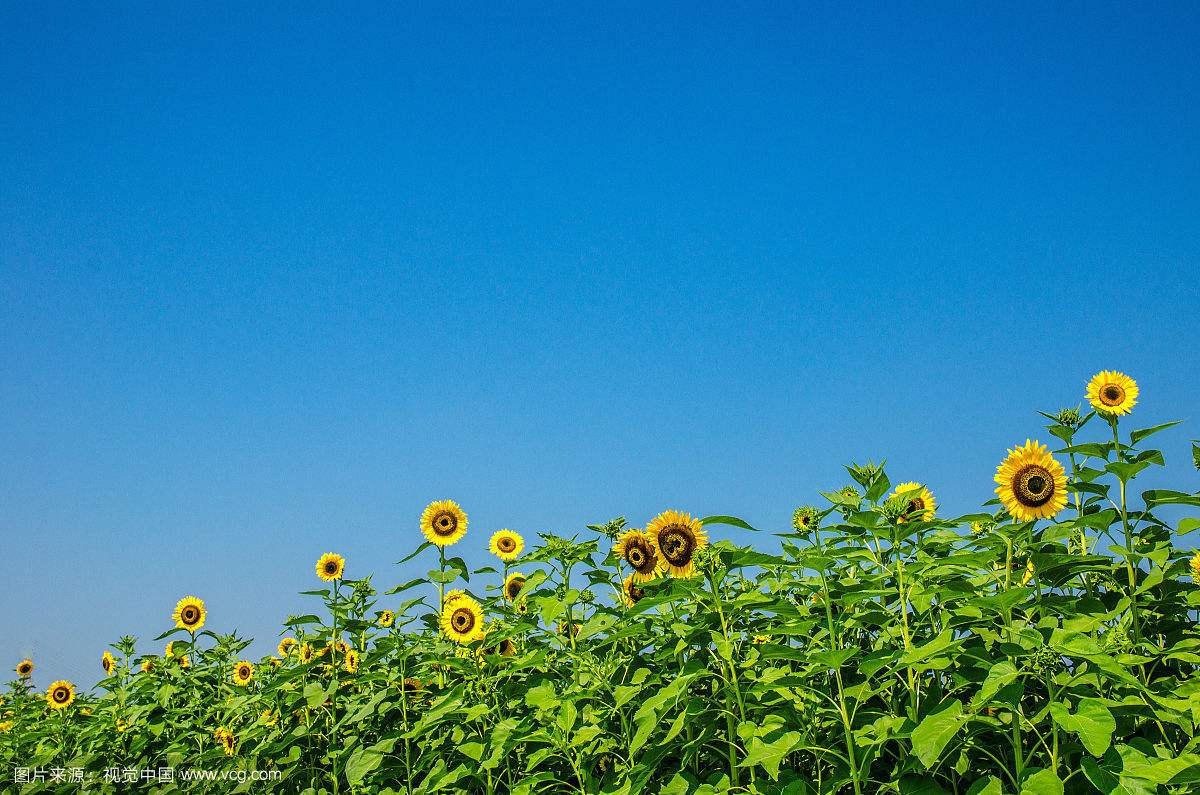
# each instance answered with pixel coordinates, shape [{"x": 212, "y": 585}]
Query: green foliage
[{"x": 861, "y": 651}]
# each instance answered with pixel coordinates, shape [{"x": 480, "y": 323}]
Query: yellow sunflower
[
  {"x": 147, "y": 665},
  {"x": 631, "y": 594},
  {"x": 1031, "y": 484},
  {"x": 189, "y": 613},
  {"x": 513, "y": 586},
  {"x": 306, "y": 653},
  {"x": 921, "y": 504},
  {"x": 330, "y": 566},
  {"x": 677, "y": 537},
  {"x": 6, "y": 726},
  {"x": 387, "y": 618},
  {"x": 107, "y": 662},
  {"x": 243, "y": 672},
  {"x": 184, "y": 662},
  {"x": 60, "y": 694},
  {"x": 24, "y": 668},
  {"x": 285, "y": 646},
  {"x": 1028, "y": 575},
  {"x": 637, "y": 549},
  {"x": 1111, "y": 393},
  {"x": 452, "y": 595},
  {"x": 351, "y": 663},
  {"x": 226, "y": 739},
  {"x": 411, "y": 684},
  {"x": 268, "y": 717},
  {"x": 443, "y": 523},
  {"x": 1194, "y": 563},
  {"x": 506, "y": 545},
  {"x": 462, "y": 621}
]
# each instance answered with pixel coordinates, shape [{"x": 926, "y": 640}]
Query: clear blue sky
[{"x": 272, "y": 280}]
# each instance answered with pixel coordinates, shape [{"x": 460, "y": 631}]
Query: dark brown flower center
[
  {"x": 1112, "y": 395},
  {"x": 61, "y": 695},
  {"x": 462, "y": 620},
  {"x": 190, "y": 615},
  {"x": 677, "y": 544},
  {"x": 640, "y": 556},
  {"x": 506, "y": 544},
  {"x": 1033, "y": 486},
  {"x": 444, "y": 524},
  {"x": 331, "y": 567},
  {"x": 635, "y": 593},
  {"x": 514, "y": 587}
]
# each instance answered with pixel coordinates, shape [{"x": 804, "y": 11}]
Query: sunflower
[
  {"x": 60, "y": 694},
  {"x": 921, "y": 504},
  {"x": 805, "y": 518},
  {"x": 306, "y": 653},
  {"x": 513, "y": 585},
  {"x": 676, "y": 536},
  {"x": 453, "y": 595},
  {"x": 285, "y": 646},
  {"x": 189, "y": 613},
  {"x": 1194, "y": 563},
  {"x": 107, "y": 662},
  {"x": 24, "y": 668},
  {"x": 443, "y": 523},
  {"x": 562, "y": 628},
  {"x": 6, "y": 726},
  {"x": 1028, "y": 575},
  {"x": 462, "y": 621},
  {"x": 637, "y": 549},
  {"x": 351, "y": 663},
  {"x": 243, "y": 672},
  {"x": 506, "y": 545},
  {"x": 147, "y": 665},
  {"x": 122, "y": 725},
  {"x": 168, "y": 650},
  {"x": 411, "y": 684},
  {"x": 1112, "y": 393},
  {"x": 387, "y": 618},
  {"x": 268, "y": 717},
  {"x": 330, "y": 566},
  {"x": 1032, "y": 485},
  {"x": 184, "y": 662},
  {"x": 631, "y": 594},
  {"x": 225, "y": 738}
]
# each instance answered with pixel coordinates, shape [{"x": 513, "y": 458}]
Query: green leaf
[
  {"x": 935, "y": 731},
  {"x": 1043, "y": 782},
  {"x": 1138, "y": 435},
  {"x": 314, "y": 694},
  {"x": 733, "y": 521},
  {"x": 1155, "y": 497},
  {"x": 771, "y": 754},
  {"x": 986, "y": 786},
  {"x": 1091, "y": 721}
]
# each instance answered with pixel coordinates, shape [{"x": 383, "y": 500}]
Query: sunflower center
[
  {"x": 916, "y": 506},
  {"x": 462, "y": 620},
  {"x": 331, "y": 567},
  {"x": 61, "y": 695},
  {"x": 1112, "y": 395},
  {"x": 190, "y": 615},
  {"x": 514, "y": 588},
  {"x": 445, "y": 524},
  {"x": 506, "y": 544},
  {"x": 1033, "y": 486},
  {"x": 677, "y": 544}
]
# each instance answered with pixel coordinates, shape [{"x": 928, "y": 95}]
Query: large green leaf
[
  {"x": 935, "y": 731},
  {"x": 1091, "y": 722}
]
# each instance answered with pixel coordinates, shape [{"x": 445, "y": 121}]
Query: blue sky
[{"x": 273, "y": 279}]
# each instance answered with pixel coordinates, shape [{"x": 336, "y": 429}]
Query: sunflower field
[{"x": 1047, "y": 643}]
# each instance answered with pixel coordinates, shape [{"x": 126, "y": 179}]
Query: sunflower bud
[
  {"x": 806, "y": 518},
  {"x": 1069, "y": 417}
]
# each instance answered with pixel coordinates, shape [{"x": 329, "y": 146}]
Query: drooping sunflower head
[
  {"x": 243, "y": 672},
  {"x": 462, "y": 620},
  {"x": 677, "y": 536},
  {"x": 386, "y": 618},
  {"x": 306, "y": 653},
  {"x": 268, "y": 717},
  {"x": 921, "y": 504},
  {"x": 513, "y": 585},
  {"x": 107, "y": 662},
  {"x": 189, "y": 613},
  {"x": 285, "y": 646},
  {"x": 24, "y": 668},
  {"x": 1194, "y": 563},
  {"x": 411, "y": 684},
  {"x": 1111, "y": 393},
  {"x": 147, "y": 665},
  {"x": 805, "y": 518},
  {"x": 506, "y": 545},
  {"x": 330, "y": 566},
  {"x": 226, "y": 739},
  {"x": 60, "y": 694},
  {"x": 631, "y": 594},
  {"x": 351, "y": 661},
  {"x": 443, "y": 523},
  {"x": 1030, "y": 483},
  {"x": 184, "y": 662},
  {"x": 636, "y": 548}
]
